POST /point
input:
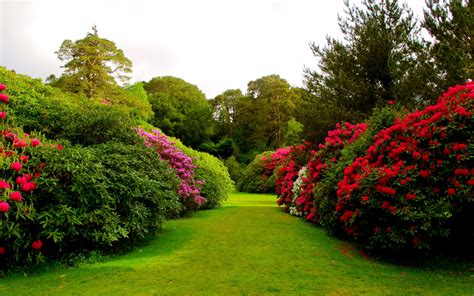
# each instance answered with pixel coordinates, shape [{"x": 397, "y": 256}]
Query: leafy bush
[
  {"x": 105, "y": 198},
  {"x": 58, "y": 115},
  {"x": 414, "y": 185},
  {"x": 235, "y": 168}
]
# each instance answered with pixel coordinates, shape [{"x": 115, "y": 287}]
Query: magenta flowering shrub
[
  {"x": 414, "y": 185},
  {"x": 182, "y": 164},
  {"x": 18, "y": 179}
]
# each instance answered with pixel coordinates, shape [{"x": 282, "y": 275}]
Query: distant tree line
[{"x": 386, "y": 54}]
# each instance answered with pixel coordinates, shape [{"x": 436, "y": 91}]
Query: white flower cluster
[{"x": 296, "y": 190}]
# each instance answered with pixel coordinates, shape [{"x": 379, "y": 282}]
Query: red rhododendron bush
[
  {"x": 260, "y": 175},
  {"x": 295, "y": 188},
  {"x": 414, "y": 185}
]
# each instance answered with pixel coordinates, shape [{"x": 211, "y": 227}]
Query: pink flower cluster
[{"x": 180, "y": 163}]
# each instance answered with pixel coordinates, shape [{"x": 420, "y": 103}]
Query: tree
[
  {"x": 181, "y": 110},
  {"x": 450, "y": 23},
  {"x": 225, "y": 111},
  {"x": 375, "y": 62},
  {"x": 261, "y": 117},
  {"x": 92, "y": 64}
]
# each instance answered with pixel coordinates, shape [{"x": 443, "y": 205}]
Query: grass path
[{"x": 246, "y": 247}]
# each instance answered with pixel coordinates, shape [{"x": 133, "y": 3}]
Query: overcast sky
[{"x": 214, "y": 44}]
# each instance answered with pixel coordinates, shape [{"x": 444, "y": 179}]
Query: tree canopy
[
  {"x": 181, "y": 109},
  {"x": 92, "y": 64}
]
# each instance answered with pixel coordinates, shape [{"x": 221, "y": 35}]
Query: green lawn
[{"x": 249, "y": 246}]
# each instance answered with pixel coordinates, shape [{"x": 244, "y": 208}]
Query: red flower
[
  {"x": 470, "y": 182},
  {"x": 4, "y": 98},
  {"x": 410, "y": 196},
  {"x": 365, "y": 198},
  {"x": 2, "y": 249},
  {"x": 463, "y": 172},
  {"x": 35, "y": 142},
  {"x": 16, "y": 196},
  {"x": 29, "y": 186},
  {"x": 390, "y": 102},
  {"x": 3, "y": 87},
  {"x": 346, "y": 216},
  {"x": 16, "y": 166},
  {"x": 21, "y": 180},
  {"x": 4, "y": 206},
  {"x": 37, "y": 245},
  {"x": 4, "y": 184},
  {"x": 24, "y": 158},
  {"x": 425, "y": 173},
  {"x": 3, "y": 115},
  {"x": 451, "y": 191},
  {"x": 19, "y": 144}
]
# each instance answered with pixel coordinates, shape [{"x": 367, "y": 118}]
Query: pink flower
[
  {"x": 4, "y": 98},
  {"x": 3, "y": 115},
  {"x": 24, "y": 158},
  {"x": 390, "y": 102},
  {"x": 16, "y": 166},
  {"x": 4, "y": 206},
  {"x": 37, "y": 245},
  {"x": 16, "y": 196},
  {"x": 35, "y": 142},
  {"x": 2, "y": 87}
]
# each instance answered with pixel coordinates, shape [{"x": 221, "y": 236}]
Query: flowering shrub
[
  {"x": 19, "y": 174},
  {"x": 217, "y": 183},
  {"x": 260, "y": 175},
  {"x": 303, "y": 204},
  {"x": 189, "y": 189},
  {"x": 286, "y": 175},
  {"x": 416, "y": 178}
]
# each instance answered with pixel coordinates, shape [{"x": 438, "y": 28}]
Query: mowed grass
[{"x": 249, "y": 246}]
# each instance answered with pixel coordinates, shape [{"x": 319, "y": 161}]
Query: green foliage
[
  {"x": 181, "y": 110},
  {"x": 254, "y": 179},
  {"x": 218, "y": 184},
  {"x": 102, "y": 198},
  {"x": 262, "y": 115},
  {"x": 92, "y": 63},
  {"x": 376, "y": 62},
  {"x": 223, "y": 149},
  {"x": 59, "y": 115},
  {"x": 225, "y": 108},
  {"x": 450, "y": 23},
  {"x": 236, "y": 169},
  {"x": 293, "y": 132}
]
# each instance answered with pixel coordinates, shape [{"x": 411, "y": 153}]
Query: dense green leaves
[
  {"x": 92, "y": 64},
  {"x": 181, "y": 110}
]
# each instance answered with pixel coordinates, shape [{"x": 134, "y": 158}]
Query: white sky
[{"x": 214, "y": 44}]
